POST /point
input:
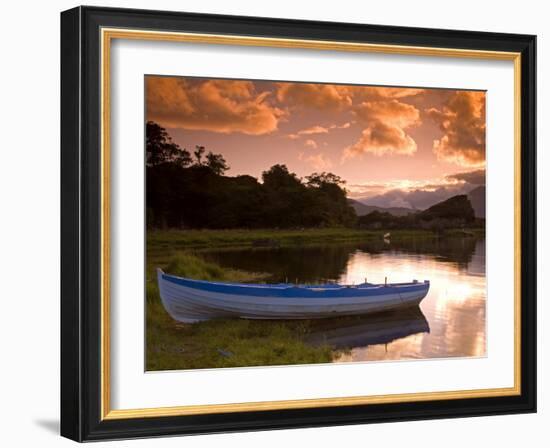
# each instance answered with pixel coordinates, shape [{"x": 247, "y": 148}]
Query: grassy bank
[
  {"x": 185, "y": 239},
  {"x": 221, "y": 343}
]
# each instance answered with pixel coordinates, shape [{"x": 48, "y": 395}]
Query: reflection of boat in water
[
  {"x": 189, "y": 300},
  {"x": 381, "y": 328}
]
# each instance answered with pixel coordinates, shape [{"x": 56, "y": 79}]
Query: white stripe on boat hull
[{"x": 192, "y": 305}]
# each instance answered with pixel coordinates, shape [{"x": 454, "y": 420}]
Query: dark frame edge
[
  {"x": 529, "y": 222},
  {"x": 71, "y": 379}
]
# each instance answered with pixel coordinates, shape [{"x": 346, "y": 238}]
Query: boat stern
[{"x": 179, "y": 303}]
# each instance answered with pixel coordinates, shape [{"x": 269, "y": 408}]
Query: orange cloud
[
  {"x": 318, "y": 161},
  {"x": 379, "y": 139},
  {"x": 462, "y": 121},
  {"x": 214, "y": 105},
  {"x": 389, "y": 112},
  {"x": 311, "y": 143},
  {"x": 318, "y": 130},
  {"x": 386, "y": 121},
  {"x": 342, "y": 126},
  {"x": 399, "y": 92},
  {"x": 337, "y": 97},
  {"x": 313, "y": 130},
  {"x": 319, "y": 96},
  {"x": 361, "y": 93},
  {"x": 476, "y": 177}
]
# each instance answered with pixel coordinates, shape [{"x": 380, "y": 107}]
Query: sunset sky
[{"x": 394, "y": 146}]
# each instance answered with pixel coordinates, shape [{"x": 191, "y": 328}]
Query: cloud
[
  {"x": 400, "y": 202},
  {"x": 417, "y": 199},
  {"x": 476, "y": 177},
  {"x": 370, "y": 93},
  {"x": 319, "y": 162},
  {"x": 399, "y": 92},
  {"x": 318, "y": 130},
  {"x": 418, "y": 194},
  {"x": 318, "y": 96},
  {"x": 313, "y": 130},
  {"x": 338, "y": 97},
  {"x": 224, "y": 106},
  {"x": 391, "y": 112},
  {"x": 311, "y": 143},
  {"x": 367, "y": 189},
  {"x": 380, "y": 139},
  {"x": 342, "y": 126},
  {"x": 386, "y": 121},
  {"x": 462, "y": 121}
]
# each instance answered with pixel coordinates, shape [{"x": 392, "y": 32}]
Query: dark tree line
[
  {"x": 161, "y": 150},
  {"x": 190, "y": 190}
]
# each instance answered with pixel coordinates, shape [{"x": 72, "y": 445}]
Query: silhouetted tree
[
  {"x": 160, "y": 148},
  {"x": 319, "y": 179},
  {"x": 216, "y": 163},
  {"x": 278, "y": 177},
  {"x": 199, "y": 152}
]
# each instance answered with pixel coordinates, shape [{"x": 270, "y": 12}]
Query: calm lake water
[{"x": 449, "y": 323}]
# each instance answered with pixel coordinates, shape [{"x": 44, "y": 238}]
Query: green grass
[
  {"x": 185, "y": 239},
  {"x": 230, "y": 343},
  {"x": 193, "y": 266},
  {"x": 476, "y": 232},
  {"x": 221, "y": 343}
]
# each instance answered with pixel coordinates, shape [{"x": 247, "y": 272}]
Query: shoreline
[{"x": 208, "y": 238}]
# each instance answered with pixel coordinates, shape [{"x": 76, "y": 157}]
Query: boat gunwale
[{"x": 317, "y": 290}]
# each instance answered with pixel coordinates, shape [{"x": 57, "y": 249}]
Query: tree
[
  {"x": 160, "y": 148},
  {"x": 199, "y": 152},
  {"x": 318, "y": 180},
  {"x": 278, "y": 177},
  {"x": 330, "y": 196},
  {"x": 216, "y": 163}
]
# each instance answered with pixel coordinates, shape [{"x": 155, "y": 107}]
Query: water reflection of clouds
[{"x": 454, "y": 307}]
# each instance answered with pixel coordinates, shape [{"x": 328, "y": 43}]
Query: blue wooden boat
[{"x": 188, "y": 300}]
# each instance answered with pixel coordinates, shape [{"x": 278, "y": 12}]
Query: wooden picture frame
[{"x": 86, "y": 35}]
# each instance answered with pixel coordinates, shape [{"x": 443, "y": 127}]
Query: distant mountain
[
  {"x": 477, "y": 198},
  {"x": 456, "y": 208},
  {"x": 364, "y": 209},
  {"x": 453, "y": 213}
]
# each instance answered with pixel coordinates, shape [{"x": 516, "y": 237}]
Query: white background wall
[{"x": 29, "y": 219}]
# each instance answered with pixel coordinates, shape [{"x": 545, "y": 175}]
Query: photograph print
[{"x": 292, "y": 223}]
